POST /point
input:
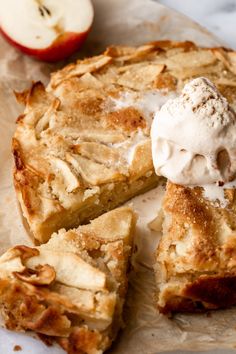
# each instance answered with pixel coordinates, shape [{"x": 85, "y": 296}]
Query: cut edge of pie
[
  {"x": 196, "y": 260},
  {"x": 71, "y": 289}
]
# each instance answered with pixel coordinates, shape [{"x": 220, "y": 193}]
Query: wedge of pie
[
  {"x": 71, "y": 289},
  {"x": 196, "y": 258},
  {"x": 82, "y": 146}
]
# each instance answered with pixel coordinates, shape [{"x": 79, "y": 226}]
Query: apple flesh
[{"x": 49, "y": 30}]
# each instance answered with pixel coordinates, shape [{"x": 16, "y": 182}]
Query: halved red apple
[{"x": 49, "y": 30}]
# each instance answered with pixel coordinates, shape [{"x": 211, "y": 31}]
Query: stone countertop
[{"x": 218, "y": 16}]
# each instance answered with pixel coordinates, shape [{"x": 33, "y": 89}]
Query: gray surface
[{"x": 218, "y": 16}]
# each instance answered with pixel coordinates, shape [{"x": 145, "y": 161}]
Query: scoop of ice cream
[{"x": 194, "y": 137}]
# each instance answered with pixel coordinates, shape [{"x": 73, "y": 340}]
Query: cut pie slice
[
  {"x": 196, "y": 258},
  {"x": 82, "y": 146},
  {"x": 71, "y": 289}
]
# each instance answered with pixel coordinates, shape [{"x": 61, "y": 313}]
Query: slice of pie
[
  {"x": 71, "y": 289},
  {"x": 82, "y": 146},
  {"x": 196, "y": 258}
]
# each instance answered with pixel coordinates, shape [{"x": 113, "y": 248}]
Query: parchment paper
[{"x": 147, "y": 332}]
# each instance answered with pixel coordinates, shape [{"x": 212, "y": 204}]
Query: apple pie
[
  {"x": 82, "y": 145},
  {"x": 196, "y": 258},
  {"x": 71, "y": 289}
]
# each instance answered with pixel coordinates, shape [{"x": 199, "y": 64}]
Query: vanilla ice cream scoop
[{"x": 194, "y": 137}]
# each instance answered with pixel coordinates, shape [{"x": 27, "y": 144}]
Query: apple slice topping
[{"x": 70, "y": 269}]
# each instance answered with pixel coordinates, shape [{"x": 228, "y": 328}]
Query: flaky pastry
[
  {"x": 82, "y": 145},
  {"x": 196, "y": 258},
  {"x": 71, "y": 289}
]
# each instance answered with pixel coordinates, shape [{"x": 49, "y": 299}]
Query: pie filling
[{"x": 73, "y": 287}]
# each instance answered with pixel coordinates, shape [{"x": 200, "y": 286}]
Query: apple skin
[{"x": 63, "y": 46}]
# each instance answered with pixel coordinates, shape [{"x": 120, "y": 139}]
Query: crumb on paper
[
  {"x": 17, "y": 348},
  {"x": 156, "y": 224}
]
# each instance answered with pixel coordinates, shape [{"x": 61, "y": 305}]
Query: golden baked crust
[
  {"x": 73, "y": 287},
  {"x": 82, "y": 146},
  {"x": 196, "y": 258}
]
